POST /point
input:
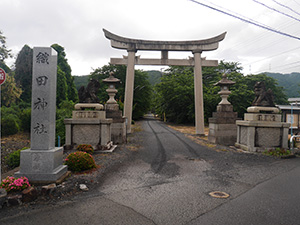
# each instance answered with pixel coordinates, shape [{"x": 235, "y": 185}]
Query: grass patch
[
  {"x": 136, "y": 127},
  {"x": 277, "y": 152}
]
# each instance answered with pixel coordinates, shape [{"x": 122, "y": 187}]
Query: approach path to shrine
[{"x": 168, "y": 181}]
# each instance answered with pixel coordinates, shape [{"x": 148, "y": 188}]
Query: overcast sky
[{"x": 77, "y": 26}]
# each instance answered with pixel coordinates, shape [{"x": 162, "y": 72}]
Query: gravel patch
[{"x": 10, "y": 144}]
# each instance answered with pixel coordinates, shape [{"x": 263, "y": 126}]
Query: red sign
[{"x": 2, "y": 76}]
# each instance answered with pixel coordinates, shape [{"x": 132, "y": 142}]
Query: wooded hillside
[{"x": 289, "y": 82}]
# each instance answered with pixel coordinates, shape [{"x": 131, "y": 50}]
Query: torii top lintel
[{"x": 137, "y": 44}]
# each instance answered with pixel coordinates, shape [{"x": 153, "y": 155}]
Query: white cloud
[{"x": 77, "y": 26}]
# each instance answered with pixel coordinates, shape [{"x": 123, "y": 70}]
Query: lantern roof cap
[
  {"x": 224, "y": 81},
  {"x": 111, "y": 79}
]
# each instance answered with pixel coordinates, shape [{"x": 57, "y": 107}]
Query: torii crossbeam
[{"x": 196, "y": 47}]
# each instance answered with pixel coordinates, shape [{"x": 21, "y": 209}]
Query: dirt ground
[
  {"x": 10, "y": 144},
  {"x": 71, "y": 185}
]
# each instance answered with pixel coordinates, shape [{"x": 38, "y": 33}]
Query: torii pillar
[
  {"x": 198, "y": 92},
  {"x": 196, "y": 47},
  {"x": 129, "y": 87}
]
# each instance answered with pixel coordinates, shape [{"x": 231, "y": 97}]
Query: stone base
[
  {"x": 112, "y": 108},
  {"x": 262, "y": 109},
  {"x": 118, "y": 126},
  {"x": 223, "y": 118},
  {"x": 88, "y": 115},
  {"x": 110, "y": 150},
  {"x": 82, "y": 131},
  {"x": 223, "y": 134},
  {"x": 118, "y": 133},
  {"x": 222, "y": 127},
  {"x": 257, "y": 136},
  {"x": 42, "y": 165},
  {"x": 262, "y": 117},
  {"x": 82, "y": 106},
  {"x": 224, "y": 108}
]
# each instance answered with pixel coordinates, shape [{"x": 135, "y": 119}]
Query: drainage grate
[{"x": 219, "y": 194}]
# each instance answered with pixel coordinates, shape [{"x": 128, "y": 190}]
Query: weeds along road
[{"x": 168, "y": 181}]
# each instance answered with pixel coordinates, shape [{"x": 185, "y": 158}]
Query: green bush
[
  {"x": 12, "y": 110},
  {"x": 14, "y": 158},
  {"x": 85, "y": 148},
  {"x": 64, "y": 111},
  {"x": 277, "y": 152},
  {"x": 25, "y": 116},
  {"x": 80, "y": 161},
  {"x": 9, "y": 125}
]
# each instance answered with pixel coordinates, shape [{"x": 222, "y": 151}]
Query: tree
[
  {"x": 63, "y": 64},
  {"x": 142, "y": 88},
  {"x": 102, "y": 73},
  {"x": 81, "y": 81},
  {"x": 23, "y": 72},
  {"x": 175, "y": 93},
  {"x": 65, "y": 82},
  {"x": 11, "y": 92},
  {"x": 270, "y": 82},
  {"x": 9, "y": 84},
  {"x": 4, "y": 52},
  {"x": 61, "y": 89},
  {"x": 142, "y": 94},
  {"x": 5, "y": 67},
  {"x": 289, "y": 82},
  {"x": 64, "y": 110}
]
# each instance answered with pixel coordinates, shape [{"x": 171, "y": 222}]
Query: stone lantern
[
  {"x": 224, "y": 83},
  {"x": 222, "y": 127},
  {"x": 111, "y": 104},
  {"x": 118, "y": 126}
]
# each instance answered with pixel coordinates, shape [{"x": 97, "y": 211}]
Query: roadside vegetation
[{"x": 277, "y": 152}]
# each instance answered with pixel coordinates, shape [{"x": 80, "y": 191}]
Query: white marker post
[{"x": 2, "y": 79}]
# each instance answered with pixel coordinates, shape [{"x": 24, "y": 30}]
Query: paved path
[
  {"x": 276, "y": 201},
  {"x": 169, "y": 182}
]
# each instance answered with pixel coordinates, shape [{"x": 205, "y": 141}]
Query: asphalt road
[{"x": 168, "y": 182}]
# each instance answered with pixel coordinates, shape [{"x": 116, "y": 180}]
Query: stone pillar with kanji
[{"x": 43, "y": 162}]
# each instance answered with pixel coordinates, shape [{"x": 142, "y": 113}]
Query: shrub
[
  {"x": 25, "y": 116},
  {"x": 9, "y": 125},
  {"x": 14, "y": 158},
  {"x": 15, "y": 184},
  {"x": 85, "y": 148},
  {"x": 80, "y": 161},
  {"x": 277, "y": 152},
  {"x": 63, "y": 111}
]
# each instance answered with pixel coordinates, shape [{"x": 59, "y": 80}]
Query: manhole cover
[{"x": 219, "y": 194}]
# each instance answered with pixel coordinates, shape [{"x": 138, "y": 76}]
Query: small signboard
[{"x": 2, "y": 76}]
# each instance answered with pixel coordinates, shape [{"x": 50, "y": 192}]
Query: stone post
[
  {"x": 43, "y": 162},
  {"x": 222, "y": 127},
  {"x": 129, "y": 89},
  {"x": 198, "y": 91},
  {"x": 118, "y": 125}
]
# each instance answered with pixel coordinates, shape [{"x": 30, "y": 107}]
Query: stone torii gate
[{"x": 196, "y": 47}]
